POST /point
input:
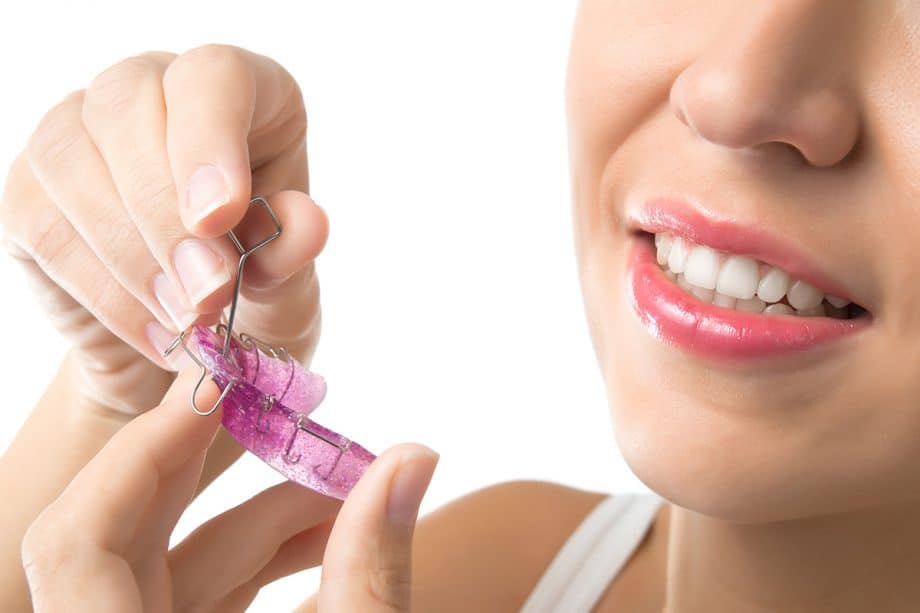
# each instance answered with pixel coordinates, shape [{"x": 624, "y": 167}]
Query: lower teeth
[{"x": 755, "y": 305}]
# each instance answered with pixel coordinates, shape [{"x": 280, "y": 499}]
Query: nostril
[
  {"x": 676, "y": 102},
  {"x": 747, "y": 111}
]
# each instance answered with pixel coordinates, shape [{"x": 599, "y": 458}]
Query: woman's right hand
[{"x": 120, "y": 203}]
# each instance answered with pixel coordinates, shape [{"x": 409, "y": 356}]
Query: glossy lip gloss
[{"x": 676, "y": 316}]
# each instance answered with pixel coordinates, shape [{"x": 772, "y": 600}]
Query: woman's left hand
[{"x": 103, "y": 545}]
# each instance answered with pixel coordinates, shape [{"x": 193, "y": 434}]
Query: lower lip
[{"x": 678, "y": 317}]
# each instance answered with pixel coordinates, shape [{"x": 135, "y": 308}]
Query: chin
[
  {"x": 728, "y": 451},
  {"x": 705, "y": 464}
]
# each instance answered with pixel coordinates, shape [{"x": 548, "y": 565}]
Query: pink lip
[{"x": 683, "y": 219}]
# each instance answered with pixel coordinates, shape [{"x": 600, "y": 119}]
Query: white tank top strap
[{"x": 594, "y": 554}]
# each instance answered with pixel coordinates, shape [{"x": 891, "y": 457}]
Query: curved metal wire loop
[
  {"x": 279, "y": 353},
  {"x": 180, "y": 341},
  {"x": 251, "y": 342},
  {"x": 244, "y": 255}
]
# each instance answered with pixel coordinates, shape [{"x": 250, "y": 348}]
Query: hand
[
  {"x": 103, "y": 544},
  {"x": 119, "y": 205}
]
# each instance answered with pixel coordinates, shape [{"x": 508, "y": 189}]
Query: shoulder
[{"x": 487, "y": 549}]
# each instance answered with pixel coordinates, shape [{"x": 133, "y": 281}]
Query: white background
[{"x": 452, "y": 313}]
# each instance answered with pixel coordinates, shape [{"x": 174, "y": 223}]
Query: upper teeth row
[{"x": 737, "y": 276}]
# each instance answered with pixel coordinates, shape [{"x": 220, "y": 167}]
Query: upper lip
[{"x": 693, "y": 222}]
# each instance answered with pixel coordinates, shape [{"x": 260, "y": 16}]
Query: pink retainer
[{"x": 266, "y": 411}]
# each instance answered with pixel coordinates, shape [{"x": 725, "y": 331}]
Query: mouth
[{"x": 717, "y": 289}]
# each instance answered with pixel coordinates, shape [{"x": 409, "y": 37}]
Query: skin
[
  {"x": 96, "y": 207},
  {"x": 792, "y": 483}
]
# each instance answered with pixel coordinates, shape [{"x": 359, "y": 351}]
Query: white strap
[{"x": 593, "y": 555}]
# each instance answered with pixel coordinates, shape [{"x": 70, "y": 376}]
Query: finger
[
  {"x": 108, "y": 498},
  {"x": 234, "y": 547},
  {"x": 367, "y": 564},
  {"x": 305, "y": 229},
  {"x": 112, "y": 358},
  {"x": 230, "y": 112},
  {"x": 60, "y": 253},
  {"x": 72, "y": 172},
  {"x": 82, "y": 538},
  {"x": 280, "y": 293},
  {"x": 125, "y": 115},
  {"x": 302, "y": 551},
  {"x": 262, "y": 133},
  {"x": 222, "y": 454}
]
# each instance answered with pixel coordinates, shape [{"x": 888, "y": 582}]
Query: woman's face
[{"x": 787, "y": 131}]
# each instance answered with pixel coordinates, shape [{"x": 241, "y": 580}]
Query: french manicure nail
[
  {"x": 207, "y": 192},
  {"x": 172, "y": 303},
  {"x": 201, "y": 270},
  {"x": 409, "y": 485}
]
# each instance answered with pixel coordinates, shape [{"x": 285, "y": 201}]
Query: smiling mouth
[
  {"x": 743, "y": 283},
  {"x": 720, "y": 289}
]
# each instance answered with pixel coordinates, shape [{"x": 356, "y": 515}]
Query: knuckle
[
  {"x": 297, "y": 112},
  {"x": 15, "y": 213},
  {"x": 57, "y": 133},
  {"x": 148, "y": 186},
  {"x": 119, "y": 87},
  {"x": 214, "y": 58},
  {"x": 33, "y": 229},
  {"x": 14, "y": 189},
  {"x": 293, "y": 107},
  {"x": 51, "y": 241},
  {"x": 101, "y": 299},
  {"x": 44, "y": 543},
  {"x": 389, "y": 585},
  {"x": 160, "y": 58}
]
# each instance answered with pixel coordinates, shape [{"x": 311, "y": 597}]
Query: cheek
[{"x": 623, "y": 60}]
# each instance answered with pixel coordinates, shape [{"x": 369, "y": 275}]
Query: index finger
[{"x": 228, "y": 111}]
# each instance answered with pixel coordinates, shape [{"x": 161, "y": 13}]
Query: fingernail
[
  {"x": 201, "y": 269},
  {"x": 172, "y": 303},
  {"x": 161, "y": 338},
  {"x": 207, "y": 192},
  {"x": 409, "y": 485}
]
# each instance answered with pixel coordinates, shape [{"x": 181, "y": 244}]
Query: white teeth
[
  {"x": 702, "y": 267},
  {"x": 677, "y": 259},
  {"x": 778, "y": 309},
  {"x": 773, "y": 285},
  {"x": 702, "y": 293},
  {"x": 836, "y": 312},
  {"x": 723, "y": 301},
  {"x": 817, "y": 311},
  {"x": 738, "y": 277},
  {"x": 735, "y": 282},
  {"x": 754, "y": 305},
  {"x": 678, "y": 255},
  {"x": 663, "y": 242},
  {"x": 802, "y": 296}
]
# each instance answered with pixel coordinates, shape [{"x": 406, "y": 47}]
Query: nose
[{"x": 777, "y": 74}]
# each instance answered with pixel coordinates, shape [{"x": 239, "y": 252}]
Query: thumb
[
  {"x": 279, "y": 298},
  {"x": 367, "y": 563}
]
